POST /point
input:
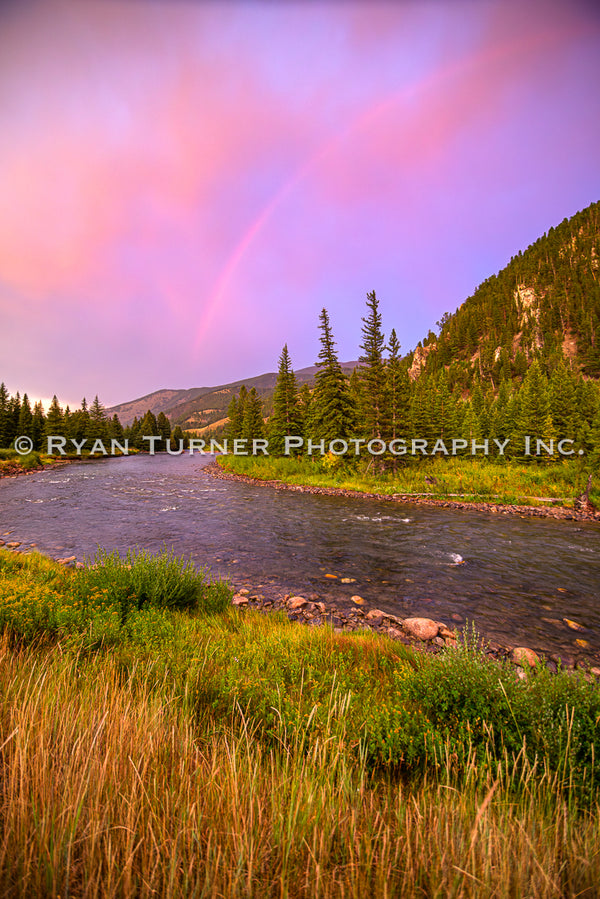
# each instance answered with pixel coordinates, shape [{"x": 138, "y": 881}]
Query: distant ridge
[{"x": 198, "y": 407}]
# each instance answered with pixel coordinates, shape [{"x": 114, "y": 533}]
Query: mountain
[
  {"x": 199, "y": 407},
  {"x": 545, "y": 305}
]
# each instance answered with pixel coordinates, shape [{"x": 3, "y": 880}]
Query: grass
[
  {"x": 10, "y": 458},
  {"x": 464, "y": 480},
  {"x": 191, "y": 749}
]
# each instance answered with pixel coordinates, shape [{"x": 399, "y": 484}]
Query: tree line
[
  {"x": 88, "y": 423},
  {"x": 380, "y": 401}
]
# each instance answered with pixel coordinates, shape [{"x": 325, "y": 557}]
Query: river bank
[
  {"x": 246, "y": 746},
  {"x": 214, "y": 469}
]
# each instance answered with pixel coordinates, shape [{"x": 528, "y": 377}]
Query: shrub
[{"x": 141, "y": 580}]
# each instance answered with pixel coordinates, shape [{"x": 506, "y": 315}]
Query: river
[{"x": 517, "y": 579}]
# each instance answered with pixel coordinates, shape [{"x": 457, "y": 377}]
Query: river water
[{"x": 518, "y": 580}]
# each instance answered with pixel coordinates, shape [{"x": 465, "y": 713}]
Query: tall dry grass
[{"x": 111, "y": 786}]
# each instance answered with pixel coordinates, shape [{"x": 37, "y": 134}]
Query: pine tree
[
  {"x": 235, "y": 414},
  {"x": 25, "y": 424},
  {"x": 80, "y": 423},
  {"x": 177, "y": 437},
  {"x": 253, "y": 426},
  {"x": 148, "y": 428},
  {"x": 397, "y": 395},
  {"x": 115, "y": 429},
  {"x": 4, "y": 418},
  {"x": 37, "y": 426},
  {"x": 54, "y": 426},
  {"x": 333, "y": 414},
  {"x": 14, "y": 410},
  {"x": 164, "y": 429},
  {"x": 286, "y": 420},
  {"x": 98, "y": 426},
  {"x": 534, "y": 412},
  {"x": 563, "y": 401},
  {"x": 371, "y": 372}
]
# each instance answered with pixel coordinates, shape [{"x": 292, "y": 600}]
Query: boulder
[
  {"x": 296, "y": 602},
  {"x": 523, "y": 656},
  {"x": 240, "y": 600},
  {"x": 375, "y": 615},
  {"x": 423, "y": 628}
]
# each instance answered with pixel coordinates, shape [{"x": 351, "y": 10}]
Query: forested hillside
[{"x": 545, "y": 305}]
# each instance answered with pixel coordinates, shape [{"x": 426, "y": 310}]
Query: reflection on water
[{"x": 517, "y": 579}]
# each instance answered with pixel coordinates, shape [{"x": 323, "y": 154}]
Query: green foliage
[
  {"x": 143, "y": 580},
  {"x": 371, "y": 373},
  {"x": 39, "y": 597},
  {"x": 374, "y": 700},
  {"x": 253, "y": 426},
  {"x": 286, "y": 420},
  {"x": 332, "y": 413}
]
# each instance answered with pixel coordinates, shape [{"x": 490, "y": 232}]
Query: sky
[{"x": 185, "y": 185}]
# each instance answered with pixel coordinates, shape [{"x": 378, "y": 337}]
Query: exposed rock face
[
  {"x": 529, "y": 311},
  {"x": 419, "y": 360}
]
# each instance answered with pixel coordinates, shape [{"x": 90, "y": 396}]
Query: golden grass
[{"x": 112, "y": 787}]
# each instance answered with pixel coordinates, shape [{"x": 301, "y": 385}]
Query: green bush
[{"x": 141, "y": 581}]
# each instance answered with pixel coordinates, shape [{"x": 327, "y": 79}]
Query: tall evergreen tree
[
  {"x": 54, "y": 426},
  {"x": 14, "y": 410},
  {"x": 164, "y": 429},
  {"x": 371, "y": 371},
  {"x": 286, "y": 420},
  {"x": 333, "y": 415},
  {"x": 80, "y": 423},
  {"x": 397, "y": 392},
  {"x": 253, "y": 426},
  {"x": 148, "y": 428},
  {"x": 38, "y": 422},
  {"x": 98, "y": 425},
  {"x": 4, "y": 422},
  {"x": 115, "y": 429}
]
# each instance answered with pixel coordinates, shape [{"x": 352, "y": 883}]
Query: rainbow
[{"x": 361, "y": 123}]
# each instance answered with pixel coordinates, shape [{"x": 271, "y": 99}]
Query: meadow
[
  {"x": 455, "y": 479},
  {"x": 156, "y": 740}
]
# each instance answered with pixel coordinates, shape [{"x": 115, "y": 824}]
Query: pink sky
[{"x": 184, "y": 185}]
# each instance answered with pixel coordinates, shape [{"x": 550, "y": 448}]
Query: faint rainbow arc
[{"x": 358, "y": 124}]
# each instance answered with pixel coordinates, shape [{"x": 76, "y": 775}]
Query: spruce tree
[
  {"x": 80, "y": 422},
  {"x": 371, "y": 372},
  {"x": 148, "y": 428},
  {"x": 54, "y": 420},
  {"x": 164, "y": 429},
  {"x": 4, "y": 424},
  {"x": 253, "y": 426},
  {"x": 333, "y": 414},
  {"x": 286, "y": 420},
  {"x": 98, "y": 426},
  {"x": 37, "y": 426},
  {"x": 115, "y": 429},
  {"x": 25, "y": 425},
  {"x": 176, "y": 437},
  {"x": 14, "y": 410}
]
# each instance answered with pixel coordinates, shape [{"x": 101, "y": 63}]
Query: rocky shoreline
[
  {"x": 421, "y": 634},
  {"x": 213, "y": 469}
]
